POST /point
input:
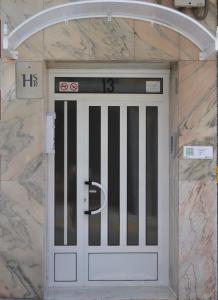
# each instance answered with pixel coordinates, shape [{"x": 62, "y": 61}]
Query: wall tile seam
[{"x": 217, "y": 162}]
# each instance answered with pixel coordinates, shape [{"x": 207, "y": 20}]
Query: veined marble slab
[
  {"x": 197, "y": 240},
  {"x": 17, "y": 11},
  {"x": 21, "y": 238},
  {"x": 153, "y": 42},
  {"x": 197, "y": 115},
  {"x": 21, "y": 129},
  {"x": 67, "y": 41},
  {"x": 197, "y": 185},
  {"x": 174, "y": 181}
]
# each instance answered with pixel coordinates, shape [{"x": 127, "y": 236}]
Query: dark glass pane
[
  {"x": 151, "y": 175},
  {"x": 94, "y": 173},
  {"x": 132, "y": 175},
  {"x": 113, "y": 175},
  {"x": 72, "y": 173},
  {"x": 59, "y": 173},
  {"x": 109, "y": 85}
]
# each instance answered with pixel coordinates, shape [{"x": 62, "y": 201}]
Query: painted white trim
[
  {"x": 133, "y": 9},
  {"x": 133, "y": 71},
  {"x": 123, "y": 177},
  {"x": 104, "y": 171},
  {"x": 142, "y": 175},
  {"x": 65, "y": 171}
]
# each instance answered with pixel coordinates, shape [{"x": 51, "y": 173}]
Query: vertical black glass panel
[
  {"x": 113, "y": 175},
  {"x": 151, "y": 175},
  {"x": 94, "y": 173},
  {"x": 132, "y": 175},
  {"x": 59, "y": 173},
  {"x": 72, "y": 173}
]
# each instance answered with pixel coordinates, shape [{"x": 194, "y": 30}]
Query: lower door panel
[{"x": 123, "y": 266}]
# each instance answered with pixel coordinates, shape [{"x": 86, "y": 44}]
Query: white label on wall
[
  {"x": 198, "y": 152},
  {"x": 29, "y": 80},
  {"x": 153, "y": 86}
]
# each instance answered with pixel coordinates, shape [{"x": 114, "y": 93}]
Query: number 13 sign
[{"x": 65, "y": 86}]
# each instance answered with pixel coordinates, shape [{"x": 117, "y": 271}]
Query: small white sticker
[
  {"x": 65, "y": 86},
  {"x": 153, "y": 86},
  {"x": 198, "y": 152},
  {"x": 50, "y": 128}
]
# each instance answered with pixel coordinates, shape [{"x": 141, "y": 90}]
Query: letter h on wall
[{"x": 32, "y": 81}]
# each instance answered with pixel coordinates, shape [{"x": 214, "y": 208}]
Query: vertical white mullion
[
  {"x": 104, "y": 172},
  {"x": 142, "y": 176},
  {"x": 83, "y": 231},
  {"x": 123, "y": 175},
  {"x": 65, "y": 172}
]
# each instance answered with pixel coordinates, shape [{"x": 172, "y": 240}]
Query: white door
[{"x": 109, "y": 211}]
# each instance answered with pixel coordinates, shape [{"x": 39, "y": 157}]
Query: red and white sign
[{"x": 68, "y": 87}]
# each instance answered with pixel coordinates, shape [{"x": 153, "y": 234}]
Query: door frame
[{"x": 163, "y": 98}]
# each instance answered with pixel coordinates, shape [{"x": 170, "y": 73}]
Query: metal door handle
[{"x": 97, "y": 211}]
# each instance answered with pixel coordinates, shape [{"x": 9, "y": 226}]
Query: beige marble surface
[
  {"x": 197, "y": 119},
  {"x": 187, "y": 50},
  {"x": 112, "y": 40},
  {"x": 21, "y": 236},
  {"x": 197, "y": 185},
  {"x": 21, "y": 192},
  {"x": 120, "y": 39},
  {"x": 174, "y": 180},
  {"x": 15, "y": 12},
  {"x": 90, "y": 39},
  {"x": 21, "y": 128},
  {"x": 197, "y": 240},
  {"x": 193, "y": 188},
  {"x": 21, "y": 138},
  {"x": 155, "y": 42},
  {"x": 74, "y": 43},
  {"x": 32, "y": 48},
  {"x": 50, "y": 3}
]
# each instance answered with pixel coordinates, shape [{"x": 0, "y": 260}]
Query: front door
[{"x": 109, "y": 193}]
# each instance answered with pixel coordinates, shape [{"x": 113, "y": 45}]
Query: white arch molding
[{"x": 132, "y": 9}]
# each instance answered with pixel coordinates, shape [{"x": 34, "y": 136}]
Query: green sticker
[{"x": 189, "y": 151}]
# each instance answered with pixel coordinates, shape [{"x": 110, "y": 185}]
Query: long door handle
[{"x": 97, "y": 211}]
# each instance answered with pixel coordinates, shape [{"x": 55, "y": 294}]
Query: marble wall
[
  {"x": 174, "y": 179},
  {"x": 192, "y": 182},
  {"x": 192, "y": 121},
  {"x": 21, "y": 193},
  {"x": 197, "y": 186}
]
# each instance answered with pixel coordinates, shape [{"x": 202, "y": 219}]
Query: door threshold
[{"x": 111, "y": 293}]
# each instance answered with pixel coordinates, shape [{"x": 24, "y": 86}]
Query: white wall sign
[
  {"x": 153, "y": 86},
  {"x": 198, "y": 152},
  {"x": 29, "y": 80}
]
